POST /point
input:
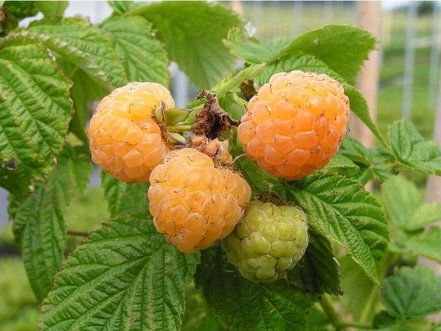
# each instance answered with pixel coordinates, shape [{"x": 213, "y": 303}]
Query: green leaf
[
  {"x": 385, "y": 322},
  {"x": 426, "y": 244},
  {"x": 424, "y": 215},
  {"x": 143, "y": 57},
  {"x": 410, "y": 148},
  {"x": 412, "y": 293},
  {"x": 125, "y": 277},
  {"x": 192, "y": 33},
  {"x": 80, "y": 43},
  {"x": 342, "y": 47},
  {"x": 51, "y": 8},
  {"x": 251, "y": 50},
  {"x": 297, "y": 61},
  {"x": 343, "y": 212},
  {"x": 341, "y": 162},
  {"x": 356, "y": 287},
  {"x": 383, "y": 164},
  {"x": 243, "y": 305},
  {"x": 121, "y": 7},
  {"x": 355, "y": 151},
  {"x": 360, "y": 108},
  {"x": 35, "y": 111},
  {"x": 401, "y": 199},
  {"x": 39, "y": 221},
  {"x": 122, "y": 197},
  {"x": 319, "y": 271}
]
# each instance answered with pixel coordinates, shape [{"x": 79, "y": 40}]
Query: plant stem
[
  {"x": 355, "y": 325},
  {"x": 178, "y": 128},
  {"x": 330, "y": 311},
  {"x": 78, "y": 233},
  {"x": 231, "y": 84}
]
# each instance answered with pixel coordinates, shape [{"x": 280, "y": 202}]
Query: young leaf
[
  {"x": 39, "y": 221},
  {"x": 342, "y": 47},
  {"x": 143, "y": 57},
  {"x": 426, "y": 244},
  {"x": 243, "y": 305},
  {"x": 360, "y": 108},
  {"x": 319, "y": 271},
  {"x": 51, "y": 8},
  {"x": 193, "y": 38},
  {"x": 341, "y": 162},
  {"x": 355, "y": 151},
  {"x": 121, "y": 7},
  {"x": 410, "y": 148},
  {"x": 125, "y": 277},
  {"x": 122, "y": 197},
  {"x": 35, "y": 111},
  {"x": 76, "y": 41},
  {"x": 412, "y": 293},
  {"x": 340, "y": 210}
]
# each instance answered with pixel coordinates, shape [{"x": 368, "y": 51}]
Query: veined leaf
[
  {"x": 76, "y": 41},
  {"x": 35, "y": 110},
  {"x": 243, "y": 305},
  {"x": 412, "y": 293},
  {"x": 125, "y": 277},
  {"x": 192, "y": 32},
  {"x": 318, "y": 271},
  {"x": 143, "y": 57},
  {"x": 427, "y": 244},
  {"x": 340, "y": 210},
  {"x": 122, "y": 197},
  {"x": 39, "y": 222},
  {"x": 341, "y": 162},
  {"x": 410, "y": 148},
  {"x": 355, "y": 151},
  {"x": 342, "y": 47},
  {"x": 51, "y": 8},
  {"x": 121, "y": 7}
]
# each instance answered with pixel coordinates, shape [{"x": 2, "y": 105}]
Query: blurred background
[{"x": 407, "y": 85}]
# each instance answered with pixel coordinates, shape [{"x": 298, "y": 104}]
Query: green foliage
[
  {"x": 341, "y": 211},
  {"x": 243, "y": 305},
  {"x": 412, "y": 293},
  {"x": 192, "y": 33},
  {"x": 35, "y": 110},
  {"x": 124, "y": 276},
  {"x": 39, "y": 221}
]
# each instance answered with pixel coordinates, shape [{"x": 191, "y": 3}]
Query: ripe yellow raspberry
[
  {"x": 192, "y": 202},
  {"x": 295, "y": 124},
  {"x": 124, "y": 139}
]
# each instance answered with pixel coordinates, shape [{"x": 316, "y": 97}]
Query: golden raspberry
[
  {"x": 192, "y": 202},
  {"x": 295, "y": 124},
  {"x": 124, "y": 139}
]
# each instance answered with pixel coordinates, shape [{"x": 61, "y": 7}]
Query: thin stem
[
  {"x": 178, "y": 128},
  {"x": 330, "y": 311},
  {"x": 78, "y": 233}
]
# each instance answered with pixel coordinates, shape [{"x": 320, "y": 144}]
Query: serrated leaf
[
  {"x": 401, "y": 199},
  {"x": 122, "y": 197},
  {"x": 382, "y": 164},
  {"x": 424, "y": 215},
  {"x": 427, "y": 244},
  {"x": 243, "y": 305},
  {"x": 341, "y": 162},
  {"x": 298, "y": 61},
  {"x": 82, "y": 44},
  {"x": 251, "y": 51},
  {"x": 342, "y": 47},
  {"x": 319, "y": 271},
  {"x": 125, "y": 277},
  {"x": 360, "y": 108},
  {"x": 355, "y": 151},
  {"x": 412, "y": 293},
  {"x": 193, "y": 38},
  {"x": 143, "y": 57},
  {"x": 410, "y": 148},
  {"x": 51, "y": 8},
  {"x": 39, "y": 221},
  {"x": 342, "y": 211},
  {"x": 35, "y": 110}
]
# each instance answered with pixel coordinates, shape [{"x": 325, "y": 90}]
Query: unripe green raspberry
[{"x": 268, "y": 241}]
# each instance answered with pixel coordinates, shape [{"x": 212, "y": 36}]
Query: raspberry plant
[{"x": 360, "y": 261}]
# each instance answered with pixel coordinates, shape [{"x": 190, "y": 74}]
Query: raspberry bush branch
[{"x": 260, "y": 263}]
